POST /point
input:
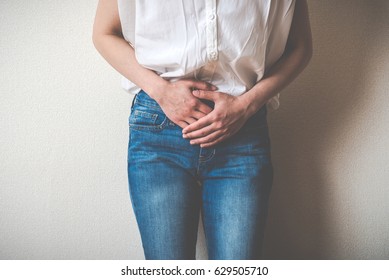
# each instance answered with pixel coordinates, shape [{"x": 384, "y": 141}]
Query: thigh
[
  {"x": 163, "y": 191},
  {"x": 236, "y": 190}
]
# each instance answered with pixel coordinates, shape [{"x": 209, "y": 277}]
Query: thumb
[{"x": 208, "y": 95}]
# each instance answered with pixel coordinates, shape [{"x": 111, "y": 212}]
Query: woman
[{"x": 204, "y": 73}]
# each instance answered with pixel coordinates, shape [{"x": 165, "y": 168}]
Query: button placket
[{"x": 211, "y": 29}]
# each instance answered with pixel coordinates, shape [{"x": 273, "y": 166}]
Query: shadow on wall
[{"x": 314, "y": 113}]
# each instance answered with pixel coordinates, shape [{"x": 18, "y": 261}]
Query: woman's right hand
[{"x": 179, "y": 104}]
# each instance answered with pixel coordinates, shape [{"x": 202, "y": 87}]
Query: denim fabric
[{"x": 171, "y": 182}]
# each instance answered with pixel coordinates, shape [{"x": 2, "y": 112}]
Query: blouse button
[
  {"x": 213, "y": 55},
  {"x": 212, "y": 16}
]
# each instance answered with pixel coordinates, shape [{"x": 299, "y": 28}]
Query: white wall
[{"x": 63, "y": 140}]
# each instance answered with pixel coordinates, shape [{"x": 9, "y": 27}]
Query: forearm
[
  {"x": 291, "y": 64},
  {"x": 121, "y": 56},
  {"x": 297, "y": 54},
  {"x": 175, "y": 98}
]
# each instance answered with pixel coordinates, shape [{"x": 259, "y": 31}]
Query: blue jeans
[{"x": 171, "y": 182}]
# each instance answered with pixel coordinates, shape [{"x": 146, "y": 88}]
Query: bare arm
[
  {"x": 220, "y": 123},
  {"x": 176, "y": 99},
  {"x": 296, "y": 57},
  {"x": 109, "y": 41}
]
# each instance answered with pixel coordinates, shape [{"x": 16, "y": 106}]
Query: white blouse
[{"x": 228, "y": 43}]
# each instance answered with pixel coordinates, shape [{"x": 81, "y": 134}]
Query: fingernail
[
  {"x": 214, "y": 87},
  {"x": 183, "y": 136},
  {"x": 195, "y": 92}
]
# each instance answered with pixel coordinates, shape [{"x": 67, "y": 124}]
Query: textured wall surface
[{"x": 64, "y": 135}]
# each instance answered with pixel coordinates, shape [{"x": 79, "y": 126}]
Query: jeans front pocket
[{"x": 147, "y": 120}]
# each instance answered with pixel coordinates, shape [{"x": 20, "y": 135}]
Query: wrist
[
  {"x": 157, "y": 88},
  {"x": 252, "y": 102}
]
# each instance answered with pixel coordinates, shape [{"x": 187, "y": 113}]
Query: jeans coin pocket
[{"x": 142, "y": 120}]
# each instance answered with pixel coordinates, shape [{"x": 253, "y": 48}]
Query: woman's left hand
[{"x": 227, "y": 117}]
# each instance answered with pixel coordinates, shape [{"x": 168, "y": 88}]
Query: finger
[
  {"x": 204, "y": 108},
  {"x": 182, "y": 124},
  {"x": 210, "y": 144},
  {"x": 207, "y": 139},
  {"x": 202, "y": 85},
  {"x": 208, "y": 95},
  {"x": 198, "y": 114},
  {"x": 200, "y": 123},
  {"x": 199, "y": 133},
  {"x": 190, "y": 120}
]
